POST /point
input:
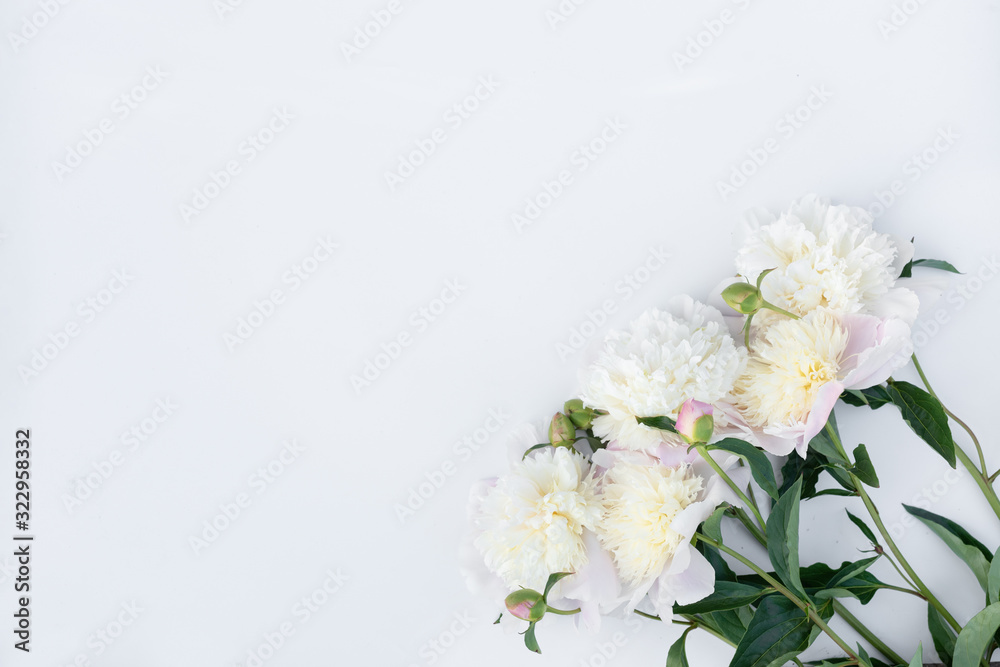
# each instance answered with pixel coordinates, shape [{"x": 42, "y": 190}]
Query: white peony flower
[
  {"x": 651, "y": 508},
  {"x": 664, "y": 359},
  {"x": 826, "y": 256},
  {"x": 531, "y": 523},
  {"x": 798, "y": 369},
  {"x": 640, "y": 503}
]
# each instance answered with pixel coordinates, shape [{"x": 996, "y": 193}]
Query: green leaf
[
  {"x": 939, "y": 264},
  {"x": 553, "y": 580},
  {"x": 976, "y": 636},
  {"x": 778, "y": 632},
  {"x": 918, "y": 659},
  {"x": 965, "y": 546},
  {"x": 529, "y": 639},
  {"x": 727, "y": 595},
  {"x": 731, "y": 623},
  {"x": 712, "y": 526},
  {"x": 534, "y": 447},
  {"x": 863, "y": 527},
  {"x": 722, "y": 570},
  {"x": 864, "y": 660},
  {"x": 993, "y": 579},
  {"x": 942, "y": 634},
  {"x": 863, "y": 467},
  {"x": 783, "y": 538},
  {"x": 824, "y": 445},
  {"x": 662, "y": 423},
  {"x": 677, "y": 656},
  {"x": 808, "y": 469},
  {"x": 874, "y": 397},
  {"x": 835, "y": 492},
  {"x": 760, "y": 465},
  {"x": 925, "y": 416},
  {"x": 849, "y": 571},
  {"x": 817, "y": 577}
]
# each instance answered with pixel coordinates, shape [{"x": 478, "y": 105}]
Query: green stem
[
  {"x": 771, "y": 306},
  {"x": 778, "y": 586},
  {"x": 561, "y": 612},
  {"x": 900, "y": 589},
  {"x": 850, "y": 619},
  {"x": 693, "y": 621},
  {"x": 876, "y": 517},
  {"x": 703, "y": 451},
  {"x": 867, "y": 634},
  {"x": 756, "y": 532},
  {"x": 975, "y": 440},
  {"x": 980, "y": 475}
]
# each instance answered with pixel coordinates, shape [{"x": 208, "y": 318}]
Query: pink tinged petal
[
  {"x": 772, "y": 444},
  {"x": 695, "y": 582},
  {"x": 826, "y": 398},
  {"x": 595, "y": 587},
  {"x": 671, "y": 456},
  {"x": 686, "y": 523},
  {"x": 890, "y": 350}
]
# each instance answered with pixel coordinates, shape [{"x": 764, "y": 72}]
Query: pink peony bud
[
  {"x": 561, "y": 430},
  {"x": 526, "y": 604},
  {"x": 695, "y": 422}
]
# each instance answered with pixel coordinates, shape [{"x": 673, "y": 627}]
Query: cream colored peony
[
  {"x": 531, "y": 523},
  {"x": 798, "y": 369},
  {"x": 640, "y": 503},
  {"x": 651, "y": 508},
  {"x": 664, "y": 359},
  {"x": 826, "y": 256}
]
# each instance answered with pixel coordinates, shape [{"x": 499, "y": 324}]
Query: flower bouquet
[{"x": 703, "y": 415}]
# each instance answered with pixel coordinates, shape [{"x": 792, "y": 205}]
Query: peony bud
[
  {"x": 695, "y": 422},
  {"x": 561, "y": 430},
  {"x": 581, "y": 417},
  {"x": 526, "y": 604},
  {"x": 743, "y": 298}
]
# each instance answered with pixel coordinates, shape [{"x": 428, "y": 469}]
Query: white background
[{"x": 333, "y": 508}]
